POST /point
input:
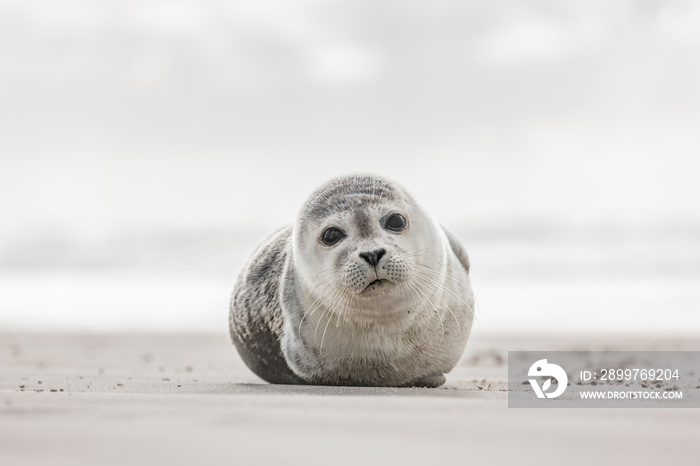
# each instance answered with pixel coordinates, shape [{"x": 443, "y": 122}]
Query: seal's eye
[
  {"x": 395, "y": 222},
  {"x": 331, "y": 235}
]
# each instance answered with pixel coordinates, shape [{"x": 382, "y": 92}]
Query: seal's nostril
[
  {"x": 380, "y": 253},
  {"x": 369, "y": 257},
  {"x": 373, "y": 257}
]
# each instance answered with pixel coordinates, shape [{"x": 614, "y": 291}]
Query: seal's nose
[{"x": 372, "y": 258}]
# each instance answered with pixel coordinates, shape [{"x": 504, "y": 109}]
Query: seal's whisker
[
  {"x": 312, "y": 308},
  {"x": 353, "y": 300},
  {"x": 343, "y": 295},
  {"x": 346, "y": 301},
  {"x": 436, "y": 274},
  {"x": 405, "y": 290},
  {"x": 447, "y": 289},
  {"x": 466, "y": 287},
  {"x": 416, "y": 253},
  {"x": 323, "y": 282},
  {"x": 470, "y": 307},
  {"x": 422, "y": 300},
  {"x": 331, "y": 271},
  {"x": 447, "y": 275},
  {"x": 319, "y": 300},
  {"x": 437, "y": 312},
  {"x": 325, "y": 329},
  {"x": 328, "y": 310},
  {"x": 316, "y": 303},
  {"x": 447, "y": 306}
]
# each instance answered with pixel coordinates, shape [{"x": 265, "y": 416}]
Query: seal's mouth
[{"x": 374, "y": 284}]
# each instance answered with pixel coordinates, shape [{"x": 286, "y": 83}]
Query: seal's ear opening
[{"x": 457, "y": 248}]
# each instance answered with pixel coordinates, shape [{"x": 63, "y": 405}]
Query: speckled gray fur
[{"x": 306, "y": 312}]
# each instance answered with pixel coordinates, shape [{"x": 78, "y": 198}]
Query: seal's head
[{"x": 358, "y": 240}]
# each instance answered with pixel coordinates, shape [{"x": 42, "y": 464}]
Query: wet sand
[{"x": 188, "y": 399}]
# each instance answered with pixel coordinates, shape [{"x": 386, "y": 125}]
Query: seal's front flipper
[{"x": 431, "y": 381}]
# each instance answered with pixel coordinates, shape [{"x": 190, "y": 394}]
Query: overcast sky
[{"x": 156, "y": 115}]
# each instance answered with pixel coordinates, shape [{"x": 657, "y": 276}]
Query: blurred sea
[{"x": 527, "y": 279}]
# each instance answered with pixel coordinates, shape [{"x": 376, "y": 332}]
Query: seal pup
[{"x": 365, "y": 288}]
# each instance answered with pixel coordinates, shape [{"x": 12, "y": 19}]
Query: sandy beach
[
  {"x": 188, "y": 399},
  {"x": 148, "y": 147}
]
